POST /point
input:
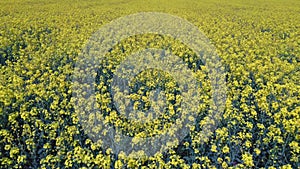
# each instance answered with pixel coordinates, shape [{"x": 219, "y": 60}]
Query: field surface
[{"x": 43, "y": 42}]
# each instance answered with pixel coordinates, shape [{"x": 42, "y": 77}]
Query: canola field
[{"x": 43, "y": 42}]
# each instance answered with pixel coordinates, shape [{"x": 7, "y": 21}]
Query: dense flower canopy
[{"x": 258, "y": 43}]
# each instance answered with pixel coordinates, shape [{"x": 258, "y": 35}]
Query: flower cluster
[{"x": 258, "y": 43}]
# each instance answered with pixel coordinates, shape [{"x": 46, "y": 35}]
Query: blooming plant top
[{"x": 41, "y": 45}]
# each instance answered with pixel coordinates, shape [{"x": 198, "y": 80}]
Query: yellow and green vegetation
[{"x": 258, "y": 43}]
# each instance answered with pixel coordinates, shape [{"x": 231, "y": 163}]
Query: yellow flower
[
  {"x": 224, "y": 165},
  {"x": 225, "y": 149},
  {"x": 13, "y": 152},
  {"x": 196, "y": 166},
  {"x": 247, "y": 158},
  {"x": 288, "y": 166},
  {"x": 248, "y": 144},
  {"x": 295, "y": 146},
  {"x": 257, "y": 151},
  {"x": 46, "y": 146},
  {"x": 260, "y": 126},
  {"x": 21, "y": 158},
  {"x": 220, "y": 160},
  {"x": 118, "y": 164},
  {"x": 214, "y": 148},
  {"x": 7, "y": 147}
]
